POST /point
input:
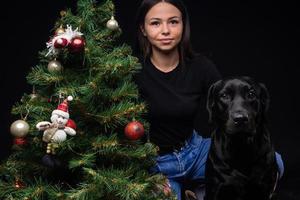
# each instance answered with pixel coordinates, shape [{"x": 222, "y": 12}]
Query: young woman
[{"x": 172, "y": 81}]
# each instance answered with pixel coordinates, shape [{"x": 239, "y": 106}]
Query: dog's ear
[
  {"x": 210, "y": 101},
  {"x": 264, "y": 99}
]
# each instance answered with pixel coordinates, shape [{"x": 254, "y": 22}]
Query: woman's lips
[{"x": 165, "y": 41}]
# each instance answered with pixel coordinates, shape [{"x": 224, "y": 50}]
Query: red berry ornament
[
  {"x": 77, "y": 44},
  {"x": 61, "y": 43},
  {"x": 134, "y": 130}
]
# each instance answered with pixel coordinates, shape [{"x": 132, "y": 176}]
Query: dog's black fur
[{"x": 241, "y": 162}]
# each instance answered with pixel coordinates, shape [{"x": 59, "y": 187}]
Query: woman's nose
[{"x": 165, "y": 29}]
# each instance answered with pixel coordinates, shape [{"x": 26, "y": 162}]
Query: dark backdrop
[{"x": 256, "y": 38}]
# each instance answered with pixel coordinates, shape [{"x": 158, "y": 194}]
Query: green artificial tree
[{"x": 90, "y": 156}]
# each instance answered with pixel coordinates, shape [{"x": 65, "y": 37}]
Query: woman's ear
[{"x": 143, "y": 30}]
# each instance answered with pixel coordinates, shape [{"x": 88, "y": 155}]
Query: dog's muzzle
[
  {"x": 240, "y": 119},
  {"x": 240, "y": 122}
]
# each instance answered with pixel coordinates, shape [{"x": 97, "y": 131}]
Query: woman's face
[{"x": 163, "y": 27}]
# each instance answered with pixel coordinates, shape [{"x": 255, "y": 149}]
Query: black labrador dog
[{"x": 241, "y": 162}]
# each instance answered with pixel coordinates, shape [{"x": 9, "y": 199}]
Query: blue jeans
[{"x": 189, "y": 163}]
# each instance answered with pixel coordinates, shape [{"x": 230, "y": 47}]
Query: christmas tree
[{"x": 78, "y": 135}]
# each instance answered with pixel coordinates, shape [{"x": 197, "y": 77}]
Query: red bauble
[
  {"x": 77, "y": 44},
  {"x": 20, "y": 141},
  {"x": 71, "y": 124},
  {"x": 134, "y": 130},
  {"x": 61, "y": 43}
]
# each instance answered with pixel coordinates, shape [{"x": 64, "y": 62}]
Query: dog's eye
[
  {"x": 251, "y": 95},
  {"x": 224, "y": 96}
]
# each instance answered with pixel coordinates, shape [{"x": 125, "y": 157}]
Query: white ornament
[
  {"x": 70, "y": 98},
  {"x": 112, "y": 24},
  {"x": 19, "y": 128}
]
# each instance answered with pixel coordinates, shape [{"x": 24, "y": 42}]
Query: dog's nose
[{"x": 239, "y": 118}]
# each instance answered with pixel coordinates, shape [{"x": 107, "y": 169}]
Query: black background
[{"x": 255, "y": 38}]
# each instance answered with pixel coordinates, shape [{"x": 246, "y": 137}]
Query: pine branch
[
  {"x": 85, "y": 191},
  {"x": 87, "y": 160},
  {"x": 126, "y": 91},
  {"x": 38, "y": 189},
  {"x": 38, "y": 109},
  {"x": 118, "y": 183},
  {"x": 117, "y": 114},
  {"x": 39, "y": 76}
]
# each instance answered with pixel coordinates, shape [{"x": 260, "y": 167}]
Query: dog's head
[{"x": 237, "y": 105}]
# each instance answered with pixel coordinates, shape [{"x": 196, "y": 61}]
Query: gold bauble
[
  {"x": 59, "y": 31},
  {"x": 54, "y": 66}
]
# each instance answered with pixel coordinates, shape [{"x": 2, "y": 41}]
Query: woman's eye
[
  {"x": 174, "y": 22},
  {"x": 155, "y": 23}
]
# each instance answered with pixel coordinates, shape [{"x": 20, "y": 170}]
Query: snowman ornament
[{"x": 60, "y": 126}]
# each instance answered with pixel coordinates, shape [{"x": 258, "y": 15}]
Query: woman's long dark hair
[{"x": 143, "y": 45}]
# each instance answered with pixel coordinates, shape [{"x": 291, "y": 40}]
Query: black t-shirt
[{"x": 173, "y": 98}]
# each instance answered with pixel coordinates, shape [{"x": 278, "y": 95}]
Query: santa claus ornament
[{"x": 60, "y": 126}]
